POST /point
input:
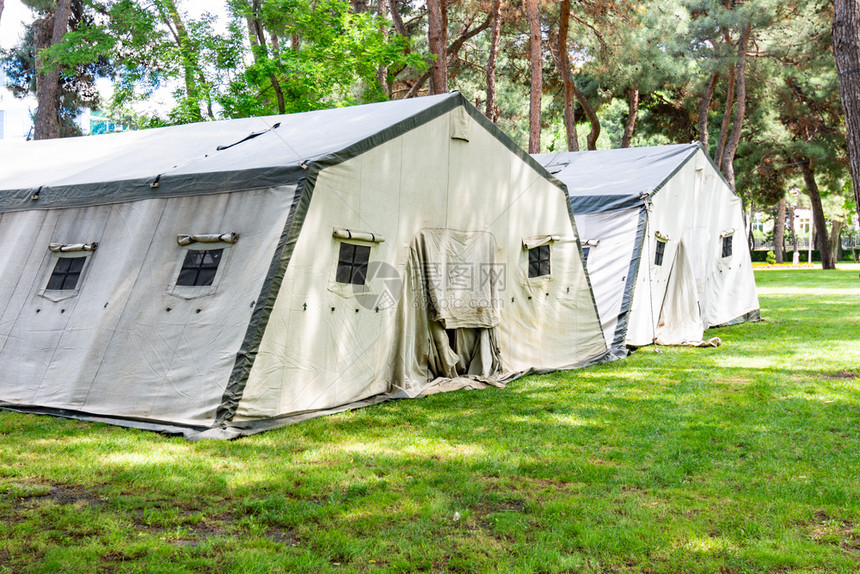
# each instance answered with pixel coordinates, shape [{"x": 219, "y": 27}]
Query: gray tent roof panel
[
  {"x": 252, "y": 150},
  {"x": 606, "y": 180}
]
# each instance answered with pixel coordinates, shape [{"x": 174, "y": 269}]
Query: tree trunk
[
  {"x": 822, "y": 240},
  {"x": 49, "y": 32},
  {"x": 846, "y": 49},
  {"x": 561, "y": 57},
  {"x": 536, "y": 61},
  {"x": 835, "y": 240},
  {"x": 727, "y": 117},
  {"x": 397, "y": 19},
  {"x": 633, "y": 109},
  {"x": 451, "y": 52},
  {"x": 732, "y": 143},
  {"x": 705, "y": 107},
  {"x": 436, "y": 40},
  {"x": 495, "y": 36},
  {"x": 359, "y": 6},
  {"x": 591, "y": 139},
  {"x": 779, "y": 232},
  {"x": 382, "y": 72}
]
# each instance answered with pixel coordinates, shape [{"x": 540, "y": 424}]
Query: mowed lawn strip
[{"x": 742, "y": 458}]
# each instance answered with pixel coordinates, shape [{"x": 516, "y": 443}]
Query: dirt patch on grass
[
  {"x": 26, "y": 491},
  {"x": 63, "y": 495},
  {"x": 826, "y": 530},
  {"x": 282, "y": 536},
  {"x": 843, "y": 374}
]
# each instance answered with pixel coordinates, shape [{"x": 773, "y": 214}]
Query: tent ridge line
[
  {"x": 87, "y": 195},
  {"x": 691, "y": 154}
]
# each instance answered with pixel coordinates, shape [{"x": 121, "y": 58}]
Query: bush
[{"x": 771, "y": 258}]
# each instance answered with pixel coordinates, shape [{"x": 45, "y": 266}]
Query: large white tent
[
  {"x": 221, "y": 278},
  {"x": 665, "y": 242}
]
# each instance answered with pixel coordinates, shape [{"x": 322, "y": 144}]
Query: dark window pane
[
  {"x": 199, "y": 268},
  {"x": 585, "y": 252},
  {"x": 362, "y": 255},
  {"x": 66, "y": 273},
  {"x": 727, "y": 246},
  {"x": 347, "y": 253},
  {"x": 76, "y": 264},
  {"x": 658, "y": 255},
  {"x": 56, "y": 280},
  {"x": 71, "y": 281},
  {"x": 187, "y": 277},
  {"x": 352, "y": 263},
  {"x": 343, "y": 273},
  {"x": 359, "y": 274},
  {"x": 211, "y": 258},
  {"x": 539, "y": 261},
  {"x": 63, "y": 264},
  {"x": 205, "y": 277}
]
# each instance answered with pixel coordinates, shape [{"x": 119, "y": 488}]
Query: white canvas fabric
[
  {"x": 203, "y": 296},
  {"x": 630, "y": 200},
  {"x": 328, "y": 345}
]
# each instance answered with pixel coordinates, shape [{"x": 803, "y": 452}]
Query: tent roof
[
  {"x": 605, "y": 180},
  {"x": 186, "y": 157}
]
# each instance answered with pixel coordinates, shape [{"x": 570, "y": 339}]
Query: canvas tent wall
[
  {"x": 665, "y": 242},
  {"x": 222, "y": 278}
]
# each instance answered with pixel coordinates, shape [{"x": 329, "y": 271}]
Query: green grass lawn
[{"x": 742, "y": 458}]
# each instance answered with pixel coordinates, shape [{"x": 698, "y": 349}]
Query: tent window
[
  {"x": 727, "y": 246},
  {"x": 539, "y": 261},
  {"x": 658, "y": 254},
  {"x": 199, "y": 267},
  {"x": 66, "y": 273},
  {"x": 352, "y": 263}
]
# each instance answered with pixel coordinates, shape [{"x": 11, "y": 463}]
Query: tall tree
[
  {"x": 49, "y": 32},
  {"x": 705, "y": 106},
  {"x": 732, "y": 143},
  {"x": 563, "y": 64},
  {"x": 491, "y": 110},
  {"x": 779, "y": 231},
  {"x": 633, "y": 108},
  {"x": 436, "y": 38},
  {"x": 846, "y": 49},
  {"x": 822, "y": 239},
  {"x": 536, "y": 63}
]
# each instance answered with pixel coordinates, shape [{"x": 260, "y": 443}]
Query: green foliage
[
  {"x": 771, "y": 258},
  {"x": 333, "y": 59},
  {"x": 325, "y": 56}
]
